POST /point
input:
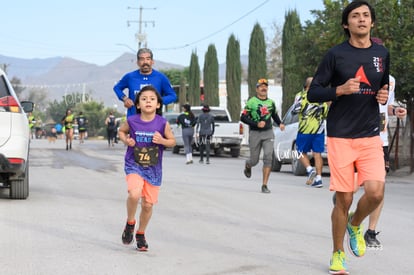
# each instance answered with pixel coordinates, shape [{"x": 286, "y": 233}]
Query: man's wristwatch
[{"x": 124, "y": 98}]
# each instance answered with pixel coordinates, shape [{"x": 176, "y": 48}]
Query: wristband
[{"x": 393, "y": 110}]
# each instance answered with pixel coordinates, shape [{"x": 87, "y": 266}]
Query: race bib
[{"x": 146, "y": 156}]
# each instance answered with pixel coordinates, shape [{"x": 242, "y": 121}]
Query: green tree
[
  {"x": 321, "y": 34},
  {"x": 257, "y": 58},
  {"x": 183, "y": 92},
  {"x": 174, "y": 75},
  {"x": 193, "y": 81},
  {"x": 211, "y": 77},
  {"x": 96, "y": 115},
  {"x": 56, "y": 110},
  {"x": 293, "y": 74},
  {"x": 394, "y": 26},
  {"x": 95, "y": 112},
  {"x": 233, "y": 78}
]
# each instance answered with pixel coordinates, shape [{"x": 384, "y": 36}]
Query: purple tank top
[{"x": 142, "y": 132}]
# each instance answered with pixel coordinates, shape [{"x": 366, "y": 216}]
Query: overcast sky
[{"x": 97, "y": 31}]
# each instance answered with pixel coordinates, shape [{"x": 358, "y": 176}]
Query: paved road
[{"x": 210, "y": 220}]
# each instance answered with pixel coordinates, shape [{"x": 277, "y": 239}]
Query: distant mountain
[
  {"x": 60, "y": 76},
  {"x": 23, "y": 68}
]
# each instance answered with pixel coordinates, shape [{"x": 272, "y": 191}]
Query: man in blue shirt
[{"x": 144, "y": 76}]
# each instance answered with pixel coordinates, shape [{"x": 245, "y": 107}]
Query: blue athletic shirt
[
  {"x": 356, "y": 115},
  {"x": 135, "y": 81}
]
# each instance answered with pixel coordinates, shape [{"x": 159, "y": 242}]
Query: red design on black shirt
[{"x": 362, "y": 76}]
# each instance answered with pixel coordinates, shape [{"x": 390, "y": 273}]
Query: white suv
[{"x": 14, "y": 141}]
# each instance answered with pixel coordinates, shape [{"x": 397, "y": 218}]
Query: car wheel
[
  {"x": 276, "y": 164},
  {"x": 218, "y": 151},
  {"x": 176, "y": 150},
  {"x": 19, "y": 188},
  {"x": 235, "y": 152},
  {"x": 297, "y": 167}
]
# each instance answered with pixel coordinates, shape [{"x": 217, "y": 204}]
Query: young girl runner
[{"x": 146, "y": 134}]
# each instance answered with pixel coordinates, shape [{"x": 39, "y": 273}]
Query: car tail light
[
  {"x": 16, "y": 160},
  {"x": 10, "y": 104},
  {"x": 241, "y": 128}
]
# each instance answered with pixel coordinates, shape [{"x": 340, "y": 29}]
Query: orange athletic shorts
[
  {"x": 363, "y": 154},
  {"x": 149, "y": 191}
]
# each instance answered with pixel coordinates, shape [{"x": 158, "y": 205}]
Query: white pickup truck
[{"x": 227, "y": 136}]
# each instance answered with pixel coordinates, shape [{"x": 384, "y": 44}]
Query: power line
[{"x": 216, "y": 32}]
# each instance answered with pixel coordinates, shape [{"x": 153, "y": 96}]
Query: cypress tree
[
  {"x": 211, "y": 77},
  {"x": 257, "y": 67},
  {"x": 194, "y": 81},
  {"x": 183, "y": 92},
  {"x": 233, "y": 78},
  {"x": 292, "y": 80}
]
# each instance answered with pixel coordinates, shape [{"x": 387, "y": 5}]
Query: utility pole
[
  {"x": 4, "y": 67},
  {"x": 140, "y": 36}
]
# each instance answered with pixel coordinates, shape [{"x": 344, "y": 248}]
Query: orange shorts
[
  {"x": 148, "y": 191},
  {"x": 363, "y": 154}
]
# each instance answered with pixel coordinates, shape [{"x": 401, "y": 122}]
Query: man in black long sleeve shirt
[{"x": 354, "y": 76}]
